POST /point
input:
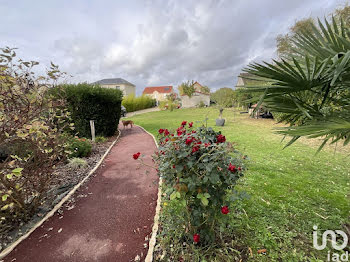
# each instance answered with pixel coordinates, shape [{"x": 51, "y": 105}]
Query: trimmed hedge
[
  {"x": 91, "y": 102},
  {"x": 133, "y": 103}
]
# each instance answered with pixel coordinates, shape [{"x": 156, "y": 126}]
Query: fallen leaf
[
  {"x": 262, "y": 251},
  {"x": 250, "y": 252}
]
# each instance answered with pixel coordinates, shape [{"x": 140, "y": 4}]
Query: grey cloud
[{"x": 154, "y": 42}]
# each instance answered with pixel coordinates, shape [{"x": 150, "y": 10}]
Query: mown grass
[{"x": 290, "y": 189}]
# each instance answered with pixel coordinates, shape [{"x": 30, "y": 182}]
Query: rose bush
[
  {"x": 32, "y": 124},
  {"x": 199, "y": 168}
]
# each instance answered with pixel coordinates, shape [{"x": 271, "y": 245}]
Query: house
[
  {"x": 159, "y": 93},
  {"x": 199, "y": 95},
  {"x": 117, "y": 83},
  {"x": 244, "y": 81}
]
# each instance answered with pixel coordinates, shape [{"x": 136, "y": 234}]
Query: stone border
[
  {"x": 8, "y": 249},
  {"x": 152, "y": 241}
]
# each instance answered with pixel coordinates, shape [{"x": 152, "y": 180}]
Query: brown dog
[{"x": 127, "y": 122}]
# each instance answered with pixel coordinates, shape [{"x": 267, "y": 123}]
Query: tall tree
[
  {"x": 285, "y": 45},
  {"x": 223, "y": 97}
]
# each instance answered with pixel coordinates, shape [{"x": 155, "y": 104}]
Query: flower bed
[
  {"x": 63, "y": 180},
  {"x": 199, "y": 169}
]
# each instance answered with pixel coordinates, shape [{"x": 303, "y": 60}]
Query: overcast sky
[{"x": 152, "y": 42}]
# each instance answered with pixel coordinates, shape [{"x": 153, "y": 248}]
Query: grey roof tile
[{"x": 113, "y": 81}]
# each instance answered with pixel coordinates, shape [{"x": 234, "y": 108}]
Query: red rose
[
  {"x": 225, "y": 210},
  {"x": 193, "y": 131},
  {"x": 239, "y": 169},
  {"x": 189, "y": 141},
  {"x": 220, "y": 139},
  {"x": 136, "y": 156},
  {"x": 232, "y": 168},
  {"x": 196, "y": 238},
  {"x": 184, "y": 123},
  {"x": 172, "y": 134},
  {"x": 195, "y": 149},
  {"x": 207, "y": 144},
  {"x": 160, "y": 131},
  {"x": 179, "y": 133},
  {"x": 166, "y": 132},
  {"x": 173, "y": 166},
  {"x": 167, "y": 139},
  {"x": 190, "y": 124}
]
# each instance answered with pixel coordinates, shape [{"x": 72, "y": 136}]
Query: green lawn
[{"x": 290, "y": 189}]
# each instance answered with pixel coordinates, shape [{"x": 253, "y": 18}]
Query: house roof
[
  {"x": 244, "y": 77},
  {"x": 113, "y": 81},
  {"x": 159, "y": 89}
]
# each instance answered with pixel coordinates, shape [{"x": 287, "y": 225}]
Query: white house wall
[
  {"x": 126, "y": 89},
  {"x": 195, "y": 100}
]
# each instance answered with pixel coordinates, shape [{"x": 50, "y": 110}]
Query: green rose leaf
[
  {"x": 173, "y": 195},
  {"x": 17, "y": 170},
  {"x": 4, "y": 207},
  {"x": 4, "y": 197},
  {"x": 204, "y": 201}
]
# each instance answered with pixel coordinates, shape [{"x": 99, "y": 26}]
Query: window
[{"x": 117, "y": 87}]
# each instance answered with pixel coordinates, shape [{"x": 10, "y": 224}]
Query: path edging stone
[
  {"x": 152, "y": 241},
  {"x": 8, "y": 249}
]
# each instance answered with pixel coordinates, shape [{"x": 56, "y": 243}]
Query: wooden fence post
[{"x": 92, "y": 126}]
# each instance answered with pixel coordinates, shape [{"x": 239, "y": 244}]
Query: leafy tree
[
  {"x": 187, "y": 88},
  {"x": 285, "y": 44},
  {"x": 205, "y": 89},
  {"x": 223, "y": 97},
  {"x": 313, "y": 87},
  {"x": 343, "y": 14}
]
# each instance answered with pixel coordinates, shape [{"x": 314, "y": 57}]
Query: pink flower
[
  {"x": 136, "y": 156},
  {"x": 232, "y": 168},
  {"x": 196, "y": 238},
  {"x": 225, "y": 210},
  {"x": 189, "y": 140},
  {"x": 220, "y": 139},
  {"x": 195, "y": 149}
]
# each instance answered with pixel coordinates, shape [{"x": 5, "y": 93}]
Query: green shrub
[
  {"x": 79, "y": 147},
  {"x": 91, "y": 102},
  {"x": 31, "y": 141},
  {"x": 201, "y": 104},
  {"x": 76, "y": 163},
  {"x": 100, "y": 139},
  {"x": 168, "y": 105},
  {"x": 162, "y": 105},
  {"x": 132, "y": 103}
]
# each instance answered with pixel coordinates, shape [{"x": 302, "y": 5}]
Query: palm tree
[{"x": 313, "y": 87}]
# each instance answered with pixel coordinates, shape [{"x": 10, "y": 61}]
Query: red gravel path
[{"x": 111, "y": 223}]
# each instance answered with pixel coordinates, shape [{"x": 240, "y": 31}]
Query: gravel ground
[{"x": 65, "y": 178}]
